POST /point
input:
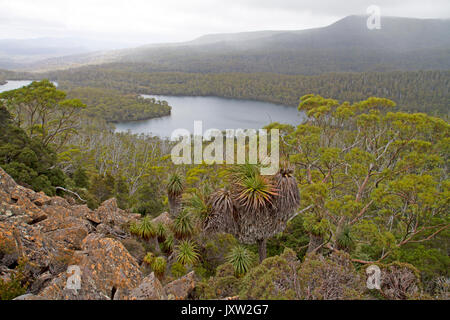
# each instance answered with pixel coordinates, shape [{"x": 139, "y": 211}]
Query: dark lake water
[{"x": 215, "y": 112}]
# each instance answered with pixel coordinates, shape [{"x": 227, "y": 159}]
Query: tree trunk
[
  {"x": 262, "y": 250},
  {"x": 315, "y": 241},
  {"x": 174, "y": 207}
]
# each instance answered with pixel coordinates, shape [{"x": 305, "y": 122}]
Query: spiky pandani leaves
[
  {"x": 175, "y": 186},
  {"x": 169, "y": 243},
  {"x": 183, "y": 225},
  {"x": 288, "y": 197},
  {"x": 344, "y": 239},
  {"x": 241, "y": 171},
  {"x": 145, "y": 229},
  {"x": 241, "y": 259},
  {"x": 223, "y": 212},
  {"x": 255, "y": 193},
  {"x": 161, "y": 231},
  {"x": 187, "y": 253},
  {"x": 254, "y": 206},
  {"x": 198, "y": 204}
]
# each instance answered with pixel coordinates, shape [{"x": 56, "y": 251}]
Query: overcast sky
[{"x": 149, "y": 21}]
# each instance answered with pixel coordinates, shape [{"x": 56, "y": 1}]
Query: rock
[
  {"x": 163, "y": 218},
  {"x": 105, "y": 267},
  {"x": 42, "y": 281},
  {"x": 28, "y": 296},
  {"x": 51, "y": 234},
  {"x": 149, "y": 289},
  {"x": 181, "y": 288}
]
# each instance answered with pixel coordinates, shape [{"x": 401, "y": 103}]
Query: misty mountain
[
  {"x": 17, "y": 53},
  {"x": 346, "y": 46}
]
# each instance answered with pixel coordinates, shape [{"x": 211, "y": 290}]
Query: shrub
[
  {"x": 158, "y": 266},
  {"x": 275, "y": 278},
  {"x": 330, "y": 278},
  {"x": 224, "y": 284},
  {"x": 178, "y": 270},
  {"x": 149, "y": 257}
]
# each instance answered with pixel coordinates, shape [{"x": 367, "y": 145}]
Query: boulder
[
  {"x": 105, "y": 267},
  {"x": 163, "y": 218},
  {"x": 149, "y": 289},
  {"x": 181, "y": 289}
]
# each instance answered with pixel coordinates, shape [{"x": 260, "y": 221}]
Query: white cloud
[{"x": 177, "y": 20}]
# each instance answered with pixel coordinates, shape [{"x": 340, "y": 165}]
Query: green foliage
[
  {"x": 161, "y": 231},
  {"x": 145, "y": 228},
  {"x": 15, "y": 285},
  {"x": 43, "y": 112},
  {"x": 149, "y": 258},
  {"x": 223, "y": 285},
  {"x": 158, "y": 266},
  {"x": 330, "y": 278},
  {"x": 26, "y": 159},
  {"x": 423, "y": 91},
  {"x": 183, "y": 225},
  {"x": 112, "y": 105},
  {"x": 169, "y": 243},
  {"x": 241, "y": 259},
  {"x": 178, "y": 270},
  {"x": 175, "y": 186},
  {"x": 187, "y": 253},
  {"x": 275, "y": 278},
  {"x": 214, "y": 249}
]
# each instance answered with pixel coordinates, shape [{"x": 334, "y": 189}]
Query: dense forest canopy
[
  {"x": 112, "y": 105},
  {"x": 424, "y": 91}
]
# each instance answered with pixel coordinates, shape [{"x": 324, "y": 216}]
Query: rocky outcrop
[
  {"x": 180, "y": 289},
  {"x": 71, "y": 252},
  {"x": 149, "y": 289},
  {"x": 104, "y": 266}
]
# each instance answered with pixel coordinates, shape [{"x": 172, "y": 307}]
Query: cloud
[{"x": 178, "y": 20}]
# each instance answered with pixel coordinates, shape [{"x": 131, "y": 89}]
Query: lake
[
  {"x": 14, "y": 84},
  {"x": 215, "y": 112}
]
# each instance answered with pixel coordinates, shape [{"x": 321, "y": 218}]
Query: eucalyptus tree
[
  {"x": 372, "y": 180},
  {"x": 44, "y": 112}
]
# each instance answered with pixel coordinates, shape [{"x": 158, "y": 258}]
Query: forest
[
  {"x": 417, "y": 91},
  {"x": 363, "y": 181},
  {"x": 112, "y": 105}
]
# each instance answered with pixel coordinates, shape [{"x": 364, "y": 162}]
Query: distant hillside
[{"x": 403, "y": 44}]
